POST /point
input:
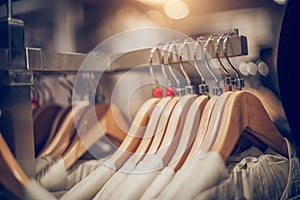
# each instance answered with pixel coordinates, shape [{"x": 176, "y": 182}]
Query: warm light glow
[
  {"x": 176, "y": 9},
  {"x": 280, "y": 2},
  {"x": 153, "y": 2}
]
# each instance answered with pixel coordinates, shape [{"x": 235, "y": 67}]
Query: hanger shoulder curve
[
  {"x": 213, "y": 128},
  {"x": 203, "y": 126},
  {"x": 162, "y": 125},
  {"x": 244, "y": 111},
  {"x": 12, "y": 175},
  {"x": 189, "y": 132},
  {"x": 66, "y": 131},
  {"x": 43, "y": 121},
  {"x": 98, "y": 121},
  {"x": 135, "y": 133},
  {"x": 174, "y": 128},
  {"x": 55, "y": 126},
  {"x": 150, "y": 130}
]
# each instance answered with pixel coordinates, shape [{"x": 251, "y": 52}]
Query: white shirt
[
  {"x": 159, "y": 183},
  {"x": 89, "y": 186},
  {"x": 203, "y": 171},
  {"x": 113, "y": 183},
  {"x": 138, "y": 181}
]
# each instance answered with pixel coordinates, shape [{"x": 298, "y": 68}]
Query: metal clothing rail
[{"x": 39, "y": 60}]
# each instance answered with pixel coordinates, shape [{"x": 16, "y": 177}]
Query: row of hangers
[
  {"x": 178, "y": 125},
  {"x": 59, "y": 125}
]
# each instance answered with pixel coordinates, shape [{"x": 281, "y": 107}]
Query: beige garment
[
  {"x": 160, "y": 182},
  {"x": 167, "y": 174},
  {"x": 269, "y": 176},
  {"x": 113, "y": 183},
  {"x": 88, "y": 187},
  {"x": 140, "y": 179},
  {"x": 202, "y": 172},
  {"x": 55, "y": 178},
  {"x": 34, "y": 191},
  {"x": 43, "y": 162}
]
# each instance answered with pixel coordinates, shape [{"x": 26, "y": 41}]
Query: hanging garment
[
  {"x": 168, "y": 173},
  {"x": 76, "y": 173},
  {"x": 113, "y": 183},
  {"x": 55, "y": 177},
  {"x": 34, "y": 190},
  {"x": 89, "y": 186},
  {"x": 263, "y": 177},
  {"x": 137, "y": 180},
  {"x": 270, "y": 176}
]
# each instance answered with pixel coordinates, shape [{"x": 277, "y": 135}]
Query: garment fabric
[
  {"x": 271, "y": 176},
  {"x": 34, "y": 191},
  {"x": 43, "y": 162},
  {"x": 201, "y": 172},
  {"x": 159, "y": 183},
  {"x": 140, "y": 179},
  {"x": 267, "y": 176},
  {"x": 55, "y": 178},
  {"x": 113, "y": 183},
  {"x": 167, "y": 174},
  {"x": 88, "y": 187}
]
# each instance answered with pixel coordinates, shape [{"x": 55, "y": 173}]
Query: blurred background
[{"x": 80, "y": 25}]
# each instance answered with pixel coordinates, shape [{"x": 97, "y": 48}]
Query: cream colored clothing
[
  {"x": 34, "y": 191},
  {"x": 202, "y": 172},
  {"x": 113, "y": 183},
  {"x": 139, "y": 180},
  {"x": 160, "y": 182},
  {"x": 254, "y": 175},
  {"x": 54, "y": 176},
  {"x": 88, "y": 187}
]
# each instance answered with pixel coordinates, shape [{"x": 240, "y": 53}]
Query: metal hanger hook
[
  {"x": 196, "y": 66},
  {"x": 184, "y": 45},
  {"x": 207, "y": 64},
  {"x": 164, "y": 49},
  {"x": 67, "y": 84},
  {"x": 225, "y": 42},
  {"x": 239, "y": 82},
  {"x": 217, "y": 53},
  {"x": 171, "y": 47},
  {"x": 153, "y": 50}
]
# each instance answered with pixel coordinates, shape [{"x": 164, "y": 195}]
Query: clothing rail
[{"x": 39, "y": 60}]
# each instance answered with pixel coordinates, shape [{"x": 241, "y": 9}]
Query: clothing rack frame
[{"x": 18, "y": 63}]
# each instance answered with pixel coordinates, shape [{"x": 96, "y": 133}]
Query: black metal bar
[{"x": 15, "y": 103}]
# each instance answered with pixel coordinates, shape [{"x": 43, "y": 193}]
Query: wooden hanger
[
  {"x": 55, "y": 126},
  {"x": 100, "y": 120},
  {"x": 43, "y": 120},
  {"x": 189, "y": 132},
  {"x": 162, "y": 126},
  {"x": 65, "y": 132},
  {"x": 213, "y": 128},
  {"x": 245, "y": 112},
  {"x": 69, "y": 124},
  {"x": 135, "y": 133},
  {"x": 12, "y": 175},
  {"x": 203, "y": 125},
  {"x": 273, "y": 106},
  {"x": 174, "y": 128},
  {"x": 153, "y": 130}
]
